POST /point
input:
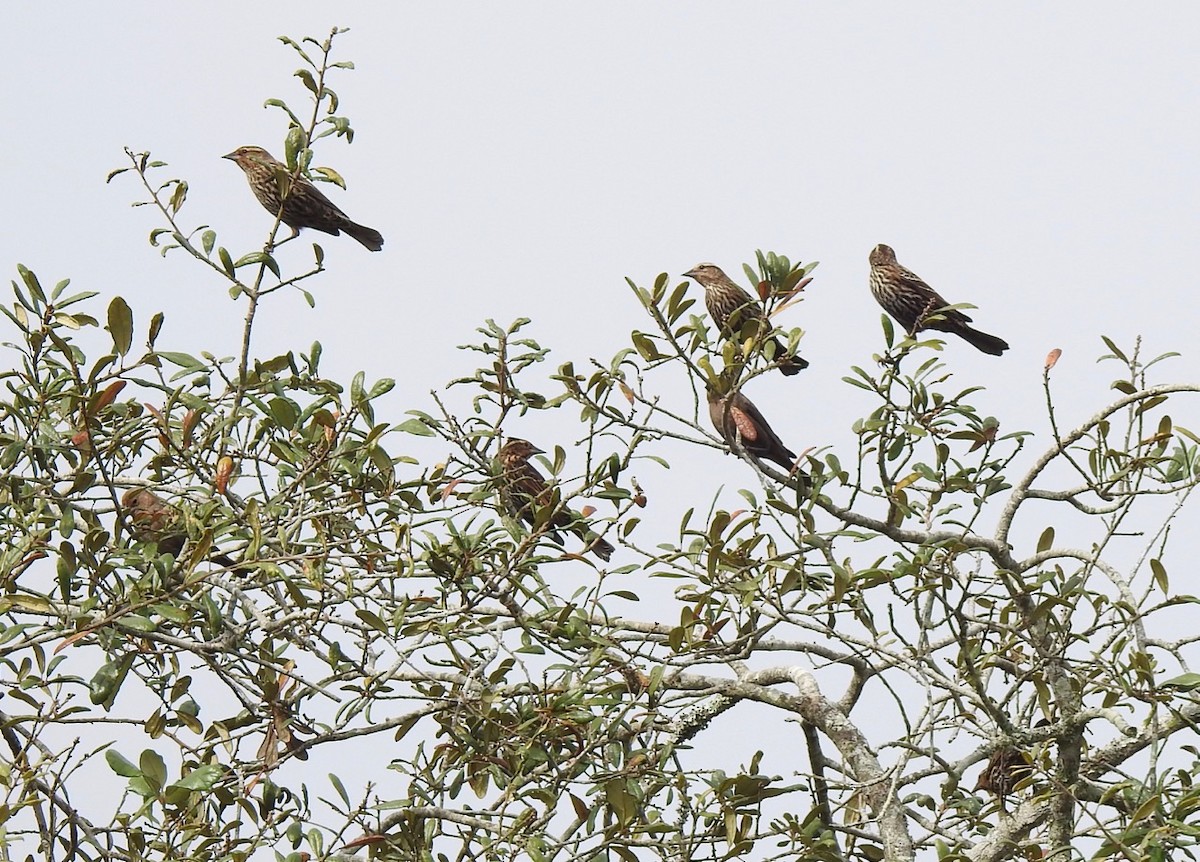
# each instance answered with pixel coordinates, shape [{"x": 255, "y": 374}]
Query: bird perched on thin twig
[
  {"x": 739, "y": 315},
  {"x": 910, "y": 301},
  {"x": 524, "y": 493},
  {"x": 1006, "y": 768},
  {"x": 303, "y": 203},
  {"x": 153, "y": 519},
  {"x": 737, "y": 419}
]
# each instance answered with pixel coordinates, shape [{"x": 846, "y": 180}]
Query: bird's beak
[
  {"x": 691, "y": 273},
  {"x": 537, "y": 451},
  {"x": 232, "y": 155}
]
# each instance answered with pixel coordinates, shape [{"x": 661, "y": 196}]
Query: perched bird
[
  {"x": 153, "y": 519},
  {"x": 736, "y": 418},
  {"x": 523, "y": 492},
  {"x": 909, "y": 301},
  {"x": 738, "y": 314},
  {"x": 304, "y": 205},
  {"x": 1005, "y": 769}
]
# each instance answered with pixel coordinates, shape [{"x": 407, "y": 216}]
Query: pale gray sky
[{"x": 1038, "y": 160}]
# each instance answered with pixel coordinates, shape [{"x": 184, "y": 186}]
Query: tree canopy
[{"x": 219, "y": 569}]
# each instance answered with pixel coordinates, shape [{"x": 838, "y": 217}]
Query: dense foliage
[{"x": 881, "y": 622}]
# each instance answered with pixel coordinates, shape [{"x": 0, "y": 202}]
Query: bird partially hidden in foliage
[
  {"x": 153, "y": 519},
  {"x": 910, "y": 302},
  {"x": 303, "y": 204},
  {"x": 737, "y": 419},
  {"x": 1006, "y": 768},
  {"x": 739, "y": 315},
  {"x": 524, "y": 494}
]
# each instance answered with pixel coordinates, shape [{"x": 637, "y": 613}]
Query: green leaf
[
  {"x": 183, "y": 360},
  {"x": 373, "y": 621},
  {"x": 104, "y": 685},
  {"x": 309, "y": 81},
  {"x": 403, "y": 727},
  {"x": 1046, "y": 540},
  {"x": 202, "y": 777},
  {"x": 153, "y": 768},
  {"x": 415, "y": 427},
  {"x": 156, "y": 323},
  {"x": 1115, "y": 351},
  {"x": 331, "y": 175},
  {"x": 31, "y": 282},
  {"x": 1160, "y": 574},
  {"x": 120, "y": 324},
  {"x": 120, "y": 765},
  {"x": 75, "y": 297},
  {"x": 207, "y": 240},
  {"x": 1184, "y": 682},
  {"x": 645, "y": 347},
  {"x": 384, "y": 385},
  {"x": 260, "y": 257},
  {"x": 138, "y": 623},
  {"x": 68, "y": 320},
  {"x": 293, "y": 144},
  {"x": 178, "y": 196},
  {"x": 285, "y": 412}
]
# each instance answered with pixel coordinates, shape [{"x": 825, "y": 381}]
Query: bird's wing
[
  {"x": 936, "y": 300},
  {"x": 746, "y": 427}
]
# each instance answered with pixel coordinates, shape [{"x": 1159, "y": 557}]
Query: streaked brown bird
[
  {"x": 910, "y": 301},
  {"x": 524, "y": 492},
  {"x": 304, "y": 205},
  {"x": 1006, "y": 768},
  {"x": 739, "y": 315},
  {"x": 736, "y": 418},
  {"x": 153, "y": 519}
]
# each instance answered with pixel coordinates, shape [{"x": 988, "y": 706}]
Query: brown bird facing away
[
  {"x": 1005, "y": 769},
  {"x": 304, "y": 205},
  {"x": 153, "y": 519},
  {"x": 523, "y": 492},
  {"x": 736, "y": 418},
  {"x": 738, "y": 314},
  {"x": 910, "y": 301}
]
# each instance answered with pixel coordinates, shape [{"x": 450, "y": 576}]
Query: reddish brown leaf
[
  {"x": 155, "y": 412},
  {"x": 189, "y": 424},
  {"x": 109, "y": 395},
  {"x": 224, "y": 471},
  {"x": 449, "y": 489},
  {"x": 66, "y": 642},
  {"x": 364, "y": 841}
]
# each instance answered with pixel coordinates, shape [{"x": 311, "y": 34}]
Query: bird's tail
[
  {"x": 789, "y": 364},
  {"x": 591, "y": 541},
  {"x": 793, "y": 365},
  {"x": 989, "y": 344},
  {"x": 368, "y": 236},
  {"x": 601, "y": 548}
]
